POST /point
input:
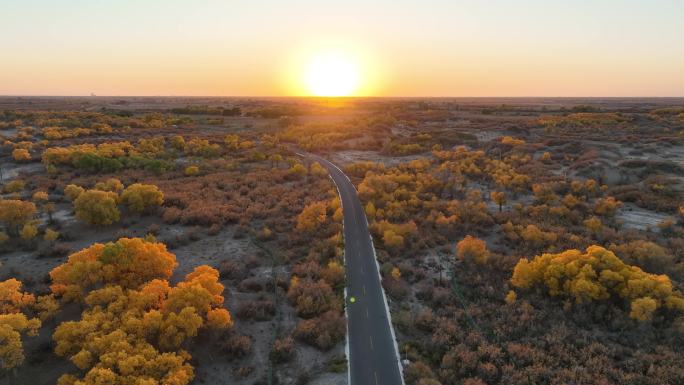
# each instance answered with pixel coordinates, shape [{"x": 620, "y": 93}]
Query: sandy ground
[{"x": 634, "y": 217}]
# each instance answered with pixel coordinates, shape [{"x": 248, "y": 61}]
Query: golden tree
[
  {"x": 28, "y": 231},
  {"x": 134, "y": 335},
  {"x": 21, "y": 155},
  {"x": 14, "y": 323},
  {"x": 598, "y": 275},
  {"x": 139, "y": 197},
  {"x": 500, "y": 198},
  {"x": 15, "y": 213},
  {"x": 97, "y": 207},
  {"x": 471, "y": 249},
  {"x": 111, "y": 184},
  {"x": 312, "y": 217},
  {"x": 128, "y": 262}
]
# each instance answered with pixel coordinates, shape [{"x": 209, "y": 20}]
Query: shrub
[
  {"x": 323, "y": 332},
  {"x": 14, "y": 186},
  {"x": 311, "y": 298},
  {"x": 283, "y": 350},
  {"x": 237, "y": 346}
]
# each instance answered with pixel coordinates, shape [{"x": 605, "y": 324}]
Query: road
[{"x": 373, "y": 358}]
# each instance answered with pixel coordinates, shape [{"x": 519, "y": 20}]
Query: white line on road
[{"x": 371, "y": 341}]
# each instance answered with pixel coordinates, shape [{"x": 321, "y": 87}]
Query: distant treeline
[{"x": 206, "y": 110}]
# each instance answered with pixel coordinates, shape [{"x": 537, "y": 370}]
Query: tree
[
  {"x": 133, "y": 334},
  {"x": 112, "y": 184},
  {"x": 12, "y": 299},
  {"x": 298, "y": 170},
  {"x": 73, "y": 191},
  {"x": 128, "y": 262},
  {"x": 598, "y": 275},
  {"x": 50, "y": 235},
  {"x": 97, "y": 207},
  {"x": 14, "y": 323},
  {"x": 471, "y": 249},
  {"x": 21, "y": 155},
  {"x": 12, "y": 326},
  {"x": 607, "y": 206},
  {"x": 392, "y": 240},
  {"x": 642, "y": 309},
  {"x": 333, "y": 274},
  {"x": 500, "y": 198},
  {"x": 40, "y": 196},
  {"x": 191, "y": 170},
  {"x": 28, "y": 232},
  {"x": 312, "y": 217},
  {"x": 647, "y": 255},
  {"x": 594, "y": 225},
  {"x": 138, "y": 197},
  {"x": 546, "y": 157},
  {"x": 318, "y": 170},
  {"x": 178, "y": 142},
  {"x": 15, "y": 213}
]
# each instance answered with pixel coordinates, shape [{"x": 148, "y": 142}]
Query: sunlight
[{"x": 332, "y": 74}]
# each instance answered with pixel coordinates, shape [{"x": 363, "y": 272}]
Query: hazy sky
[{"x": 405, "y": 48}]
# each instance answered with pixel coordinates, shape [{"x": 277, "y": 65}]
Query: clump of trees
[
  {"x": 100, "y": 205},
  {"x": 21, "y": 314},
  {"x": 599, "y": 275},
  {"x": 14, "y": 323},
  {"x": 15, "y": 214},
  {"x": 135, "y": 324}
]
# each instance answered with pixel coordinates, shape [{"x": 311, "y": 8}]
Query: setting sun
[{"x": 332, "y": 74}]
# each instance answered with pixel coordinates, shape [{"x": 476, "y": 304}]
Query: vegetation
[{"x": 517, "y": 243}]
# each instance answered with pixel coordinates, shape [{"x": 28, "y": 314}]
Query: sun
[{"x": 332, "y": 74}]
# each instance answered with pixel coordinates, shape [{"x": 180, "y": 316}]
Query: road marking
[
  {"x": 364, "y": 289},
  {"x": 371, "y": 341},
  {"x": 376, "y": 377},
  {"x": 367, "y": 312}
]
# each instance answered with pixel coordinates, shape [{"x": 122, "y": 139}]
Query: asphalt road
[{"x": 373, "y": 358}]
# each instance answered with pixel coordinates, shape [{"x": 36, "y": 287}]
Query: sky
[{"x": 400, "y": 47}]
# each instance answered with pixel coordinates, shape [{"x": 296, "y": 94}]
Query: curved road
[{"x": 373, "y": 358}]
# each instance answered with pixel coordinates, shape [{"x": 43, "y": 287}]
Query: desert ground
[{"x": 459, "y": 194}]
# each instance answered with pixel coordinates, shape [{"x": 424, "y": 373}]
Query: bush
[
  {"x": 237, "y": 346},
  {"x": 262, "y": 310},
  {"x": 283, "y": 350},
  {"x": 322, "y": 332}
]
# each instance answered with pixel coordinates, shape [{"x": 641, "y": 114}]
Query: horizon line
[{"x": 348, "y": 97}]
